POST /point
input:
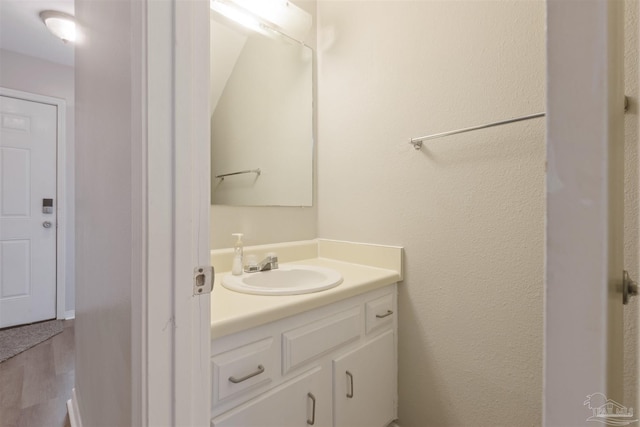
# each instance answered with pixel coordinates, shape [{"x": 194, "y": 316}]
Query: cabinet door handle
[
  {"x": 312, "y": 421},
  {"x": 350, "y": 392},
  {"x": 246, "y": 377},
  {"x": 382, "y": 316}
]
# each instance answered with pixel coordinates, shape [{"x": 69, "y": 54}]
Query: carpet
[{"x": 16, "y": 340}]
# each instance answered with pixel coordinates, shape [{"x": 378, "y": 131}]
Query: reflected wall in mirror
[{"x": 262, "y": 118}]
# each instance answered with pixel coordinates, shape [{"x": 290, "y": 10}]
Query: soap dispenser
[{"x": 237, "y": 255}]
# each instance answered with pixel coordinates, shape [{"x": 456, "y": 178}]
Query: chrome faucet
[{"x": 269, "y": 263}]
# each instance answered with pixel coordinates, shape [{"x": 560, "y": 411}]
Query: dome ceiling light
[{"x": 60, "y": 24}]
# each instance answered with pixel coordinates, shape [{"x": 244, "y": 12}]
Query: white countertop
[{"x": 233, "y": 312}]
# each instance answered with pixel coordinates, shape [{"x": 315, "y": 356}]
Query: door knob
[{"x": 46, "y": 224}]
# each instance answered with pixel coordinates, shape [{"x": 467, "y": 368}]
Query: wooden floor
[{"x": 36, "y": 384}]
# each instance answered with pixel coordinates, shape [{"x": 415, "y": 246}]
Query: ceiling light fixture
[{"x": 60, "y": 24}]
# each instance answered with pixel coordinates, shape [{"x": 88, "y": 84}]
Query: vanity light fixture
[
  {"x": 237, "y": 15},
  {"x": 262, "y": 15},
  {"x": 60, "y": 24}
]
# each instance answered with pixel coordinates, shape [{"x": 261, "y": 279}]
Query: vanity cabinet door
[
  {"x": 301, "y": 402},
  {"x": 364, "y": 384}
]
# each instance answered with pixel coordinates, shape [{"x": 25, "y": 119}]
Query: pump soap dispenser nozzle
[{"x": 237, "y": 255}]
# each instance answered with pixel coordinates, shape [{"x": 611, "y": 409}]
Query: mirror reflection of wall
[{"x": 262, "y": 118}]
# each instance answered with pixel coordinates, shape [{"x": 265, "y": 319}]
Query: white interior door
[
  {"x": 27, "y": 234},
  {"x": 583, "y": 328}
]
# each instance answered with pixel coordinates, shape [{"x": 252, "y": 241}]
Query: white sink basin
[{"x": 286, "y": 280}]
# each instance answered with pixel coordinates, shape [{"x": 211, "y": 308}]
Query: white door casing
[
  {"x": 28, "y": 146},
  {"x": 171, "y": 369},
  {"x": 583, "y": 319}
]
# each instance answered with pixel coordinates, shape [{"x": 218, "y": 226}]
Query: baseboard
[
  {"x": 74, "y": 412},
  {"x": 69, "y": 314},
  {"x": 394, "y": 424}
]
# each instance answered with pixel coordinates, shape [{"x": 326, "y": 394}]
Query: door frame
[
  {"x": 171, "y": 328},
  {"x": 61, "y": 199},
  {"x": 584, "y": 108}
]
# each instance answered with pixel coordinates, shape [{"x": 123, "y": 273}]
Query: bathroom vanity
[{"x": 327, "y": 358}]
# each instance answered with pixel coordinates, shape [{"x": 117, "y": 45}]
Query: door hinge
[
  {"x": 629, "y": 287},
  {"x": 203, "y": 280}
]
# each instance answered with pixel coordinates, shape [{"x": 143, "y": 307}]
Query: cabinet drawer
[
  {"x": 243, "y": 368},
  {"x": 379, "y": 312},
  {"x": 310, "y": 341}
]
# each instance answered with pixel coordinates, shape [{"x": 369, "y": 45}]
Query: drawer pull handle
[
  {"x": 246, "y": 377},
  {"x": 382, "y": 316},
  {"x": 350, "y": 392},
  {"x": 312, "y": 421}
]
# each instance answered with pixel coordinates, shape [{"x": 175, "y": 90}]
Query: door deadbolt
[
  {"x": 629, "y": 287},
  {"x": 47, "y": 206}
]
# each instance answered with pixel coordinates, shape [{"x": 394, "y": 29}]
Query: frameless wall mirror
[{"x": 261, "y": 115}]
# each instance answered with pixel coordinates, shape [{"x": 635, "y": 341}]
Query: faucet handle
[
  {"x": 273, "y": 257},
  {"x": 252, "y": 264}
]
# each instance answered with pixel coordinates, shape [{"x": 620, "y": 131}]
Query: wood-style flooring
[{"x": 36, "y": 384}]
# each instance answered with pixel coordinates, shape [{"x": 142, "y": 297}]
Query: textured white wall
[
  {"x": 468, "y": 209},
  {"x": 35, "y": 75}
]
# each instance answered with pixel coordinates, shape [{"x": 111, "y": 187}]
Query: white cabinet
[
  {"x": 364, "y": 384},
  {"x": 303, "y": 401},
  {"x": 331, "y": 366}
]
